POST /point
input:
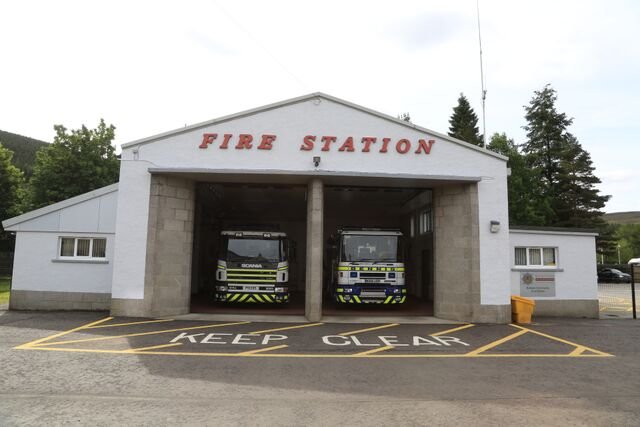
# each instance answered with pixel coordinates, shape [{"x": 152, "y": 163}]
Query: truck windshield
[
  {"x": 262, "y": 250},
  {"x": 371, "y": 248}
]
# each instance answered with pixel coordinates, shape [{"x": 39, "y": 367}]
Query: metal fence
[{"x": 618, "y": 300}]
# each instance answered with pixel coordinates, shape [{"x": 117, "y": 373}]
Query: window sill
[
  {"x": 81, "y": 261},
  {"x": 537, "y": 269}
]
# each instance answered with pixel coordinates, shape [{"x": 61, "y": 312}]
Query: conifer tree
[
  {"x": 578, "y": 201},
  {"x": 564, "y": 167},
  {"x": 464, "y": 123}
]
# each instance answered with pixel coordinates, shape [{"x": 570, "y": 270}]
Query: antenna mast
[{"x": 482, "y": 83}]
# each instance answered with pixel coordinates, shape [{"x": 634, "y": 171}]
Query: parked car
[{"x": 612, "y": 275}]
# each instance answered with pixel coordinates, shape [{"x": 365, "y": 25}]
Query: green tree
[
  {"x": 464, "y": 123},
  {"x": 607, "y": 242},
  {"x": 523, "y": 184},
  {"x": 578, "y": 201},
  {"x": 76, "y": 162},
  {"x": 564, "y": 167},
  {"x": 11, "y": 186},
  {"x": 628, "y": 236}
]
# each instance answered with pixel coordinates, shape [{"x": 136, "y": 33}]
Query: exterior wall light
[
  {"x": 316, "y": 161},
  {"x": 494, "y": 226}
]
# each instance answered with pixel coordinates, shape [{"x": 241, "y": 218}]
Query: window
[
  {"x": 536, "y": 257},
  {"x": 83, "y": 247}
]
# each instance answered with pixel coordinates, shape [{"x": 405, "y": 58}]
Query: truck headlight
[
  {"x": 281, "y": 289},
  {"x": 392, "y": 275},
  {"x": 353, "y": 274},
  {"x": 221, "y": 288},
  {"x": 347, "y": 290}
]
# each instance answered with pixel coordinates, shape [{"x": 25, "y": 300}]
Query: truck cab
[
  {"x": 368, "y": 267},
  {"x": 253, "y": 267}
]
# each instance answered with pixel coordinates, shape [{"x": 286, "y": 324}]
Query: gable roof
[
  {"x": 315, "y": 95},
  {"x": 58, "y": 206}
]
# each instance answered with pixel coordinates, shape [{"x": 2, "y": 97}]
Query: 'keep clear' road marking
[
  {"x": 391, "y": 341},
  {"x": 225, "y": 338},
  {"x": 387, "y": 342},
  {"x": 356, "y": 343}
]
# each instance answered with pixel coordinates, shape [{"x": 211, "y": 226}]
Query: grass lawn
[{"x": 4, "y": 289}]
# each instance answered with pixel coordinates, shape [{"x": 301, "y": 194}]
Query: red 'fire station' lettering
[
  {"x": 367, "y": 141},
  {"x": 244, "y": 141},
  {"x": 307, "y": 143},
  {"x": 348, "y": 145},
  {"x": 225, "y": 141},
  {"x": 207, "y": 138},
  {"x": 267, "y": 142},
  {"x": 385, "y": 144},
  {"x": 327, "y": 142},
  {"x": 425, "y": 146},
  {"x": 403, "y": 146}
]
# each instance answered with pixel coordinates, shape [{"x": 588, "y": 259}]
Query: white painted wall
[
  {"x": 131, "y": 229},
  {"x": 95, "y": 215},
  {"x": 494, "y": 247},
  {"x": 576, "y": 276},
  {"x": 291, "y": 123},
  {"x": 35, "y": 268}
]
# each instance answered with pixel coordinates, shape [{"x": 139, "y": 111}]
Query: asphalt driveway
[{"x": 88, "y": 368}]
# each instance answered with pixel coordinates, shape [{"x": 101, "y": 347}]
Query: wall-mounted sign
[
  {"x": 365, "y": 144},
  {"x": 537, "y": 284}
]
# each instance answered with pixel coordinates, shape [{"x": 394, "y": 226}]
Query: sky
[{"x": 151, "y": 67}]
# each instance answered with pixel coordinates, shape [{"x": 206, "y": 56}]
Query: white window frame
[
  {"x": 75, "y": 256},
  {"x": 541, "y": 249}
]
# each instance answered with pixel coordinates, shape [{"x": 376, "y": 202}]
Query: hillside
[
  {"x": 623, "y": 217},
  {"x": 24, "y": 150}
]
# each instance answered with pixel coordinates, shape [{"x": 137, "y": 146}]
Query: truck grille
[
  {"x": 251, "y": 276},
  {"x": 373, "y": 275}
]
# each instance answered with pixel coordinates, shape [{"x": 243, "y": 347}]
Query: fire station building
[{"x": 147, "y": 246}]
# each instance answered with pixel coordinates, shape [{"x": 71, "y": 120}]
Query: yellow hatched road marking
[
  {"x": 369, "y": 329},
  {"x": 153, "y": 347},
  {"x": 580, "y": 348},
  {"x": 128, "y": 324},
  {"x": 542, "y": 355},
  {"x": 496, "y": 343},
  {"x": 306, "y": 325},
  {"x": 311, "y": 356},
  {"x": 139, "y": 334},
  {"x": 262, "y": 350},
  {"x": 38, "y": 341},
  {"x": 375, "y": 350},
  {"x": 448, "y": 331}
]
